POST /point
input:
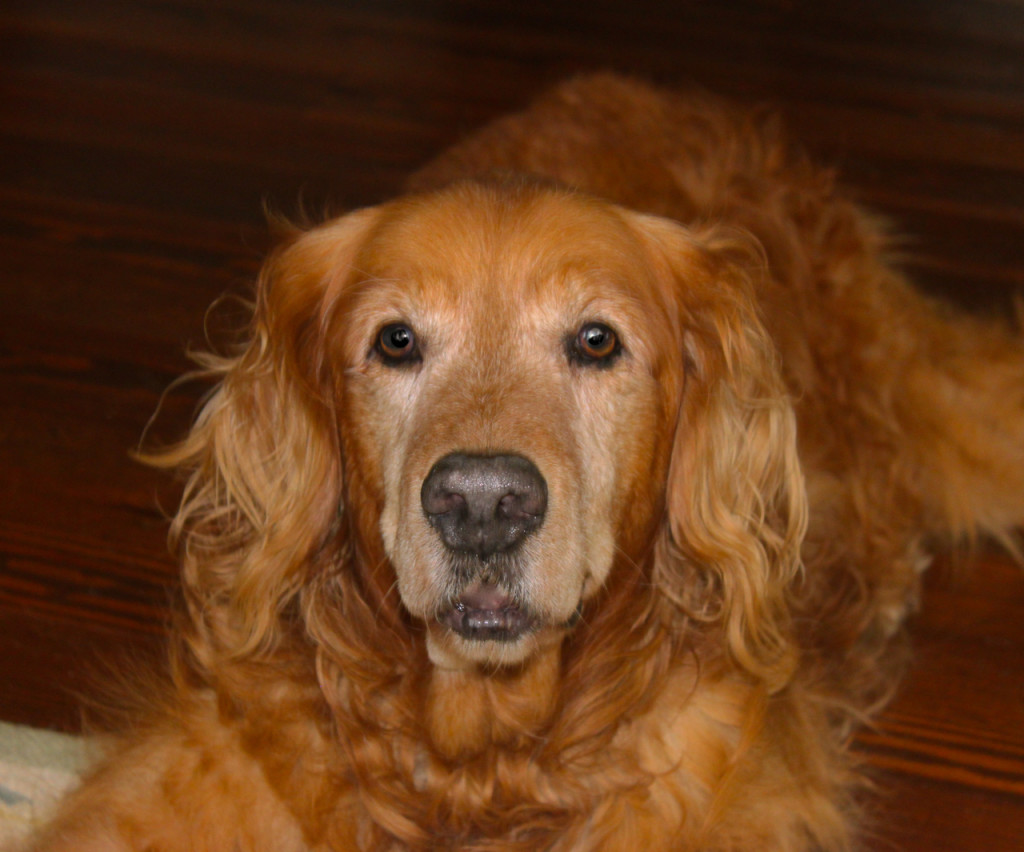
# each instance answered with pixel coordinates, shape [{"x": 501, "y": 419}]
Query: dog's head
[{"x": 483, "y": 401}]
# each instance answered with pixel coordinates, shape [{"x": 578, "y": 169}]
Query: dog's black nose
[{"x": 484, "y": 504}]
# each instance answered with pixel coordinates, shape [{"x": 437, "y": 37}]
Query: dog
[{"x": 575, "y": 500}]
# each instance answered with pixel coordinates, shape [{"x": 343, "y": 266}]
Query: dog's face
[
  {"x": 511, "y": 373},
  {"x": 515, "y": 393}
]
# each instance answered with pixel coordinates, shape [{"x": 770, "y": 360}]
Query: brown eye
[
  {"x": 596, "y": 344},
  {"x": 396, "y": 344}
]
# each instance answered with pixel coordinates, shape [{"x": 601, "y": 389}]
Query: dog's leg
[
  {"x": 175, "y": 791},
  {"x": 961, "y": 407}
]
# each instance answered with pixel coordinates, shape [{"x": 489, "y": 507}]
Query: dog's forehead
[{"x": 502, "y": 245}]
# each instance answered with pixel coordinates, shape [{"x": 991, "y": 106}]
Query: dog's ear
[
  {"x": 263, "y": 472},
  {"x": 736, "y": 503}
]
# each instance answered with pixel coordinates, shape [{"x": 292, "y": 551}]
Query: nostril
[
  {"x": 438, "y": 500},
  {"x": 484, "y": 504},
  {"x": 511, "y": 507},
  {"x": 521, "y": 505}
]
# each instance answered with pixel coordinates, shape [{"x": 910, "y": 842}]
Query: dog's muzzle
[{"x": 483, "y": 507}]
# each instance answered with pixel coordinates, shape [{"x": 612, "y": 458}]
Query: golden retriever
[{"x": 573, "y": 502}]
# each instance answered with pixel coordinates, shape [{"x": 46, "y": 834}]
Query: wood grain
[{"x": 141, "y": 141}]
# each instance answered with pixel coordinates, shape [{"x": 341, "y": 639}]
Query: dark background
[{"x": 140, "y": 142}]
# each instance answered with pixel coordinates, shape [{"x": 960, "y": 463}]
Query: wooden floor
[{"x": 140, "y": 141}]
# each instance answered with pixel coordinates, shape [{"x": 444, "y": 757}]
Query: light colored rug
[{"x": 36, "y": 768}]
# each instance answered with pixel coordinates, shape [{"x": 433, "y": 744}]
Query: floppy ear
[
  {"x": 736, "y": 505},
  {"x": 263, "y": 472}
]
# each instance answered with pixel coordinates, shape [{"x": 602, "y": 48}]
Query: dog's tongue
[
  {"x": 485, "y": 612},
  {"x": 484, "y": 596}
]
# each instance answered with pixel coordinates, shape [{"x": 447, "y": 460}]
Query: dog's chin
[{"x": 450, "y": 650}]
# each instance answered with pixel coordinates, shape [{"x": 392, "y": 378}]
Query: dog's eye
[
  {"x": 596, "y": 344},
  {"x": 396, "y": 344}
]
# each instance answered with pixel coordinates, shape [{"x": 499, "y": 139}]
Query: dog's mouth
[{"x": 486, "y": 613}]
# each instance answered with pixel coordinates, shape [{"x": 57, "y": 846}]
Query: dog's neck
[{"x": 469, "y": 709}]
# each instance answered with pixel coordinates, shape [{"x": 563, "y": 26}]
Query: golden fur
[{"x": 739, "y": 506}]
